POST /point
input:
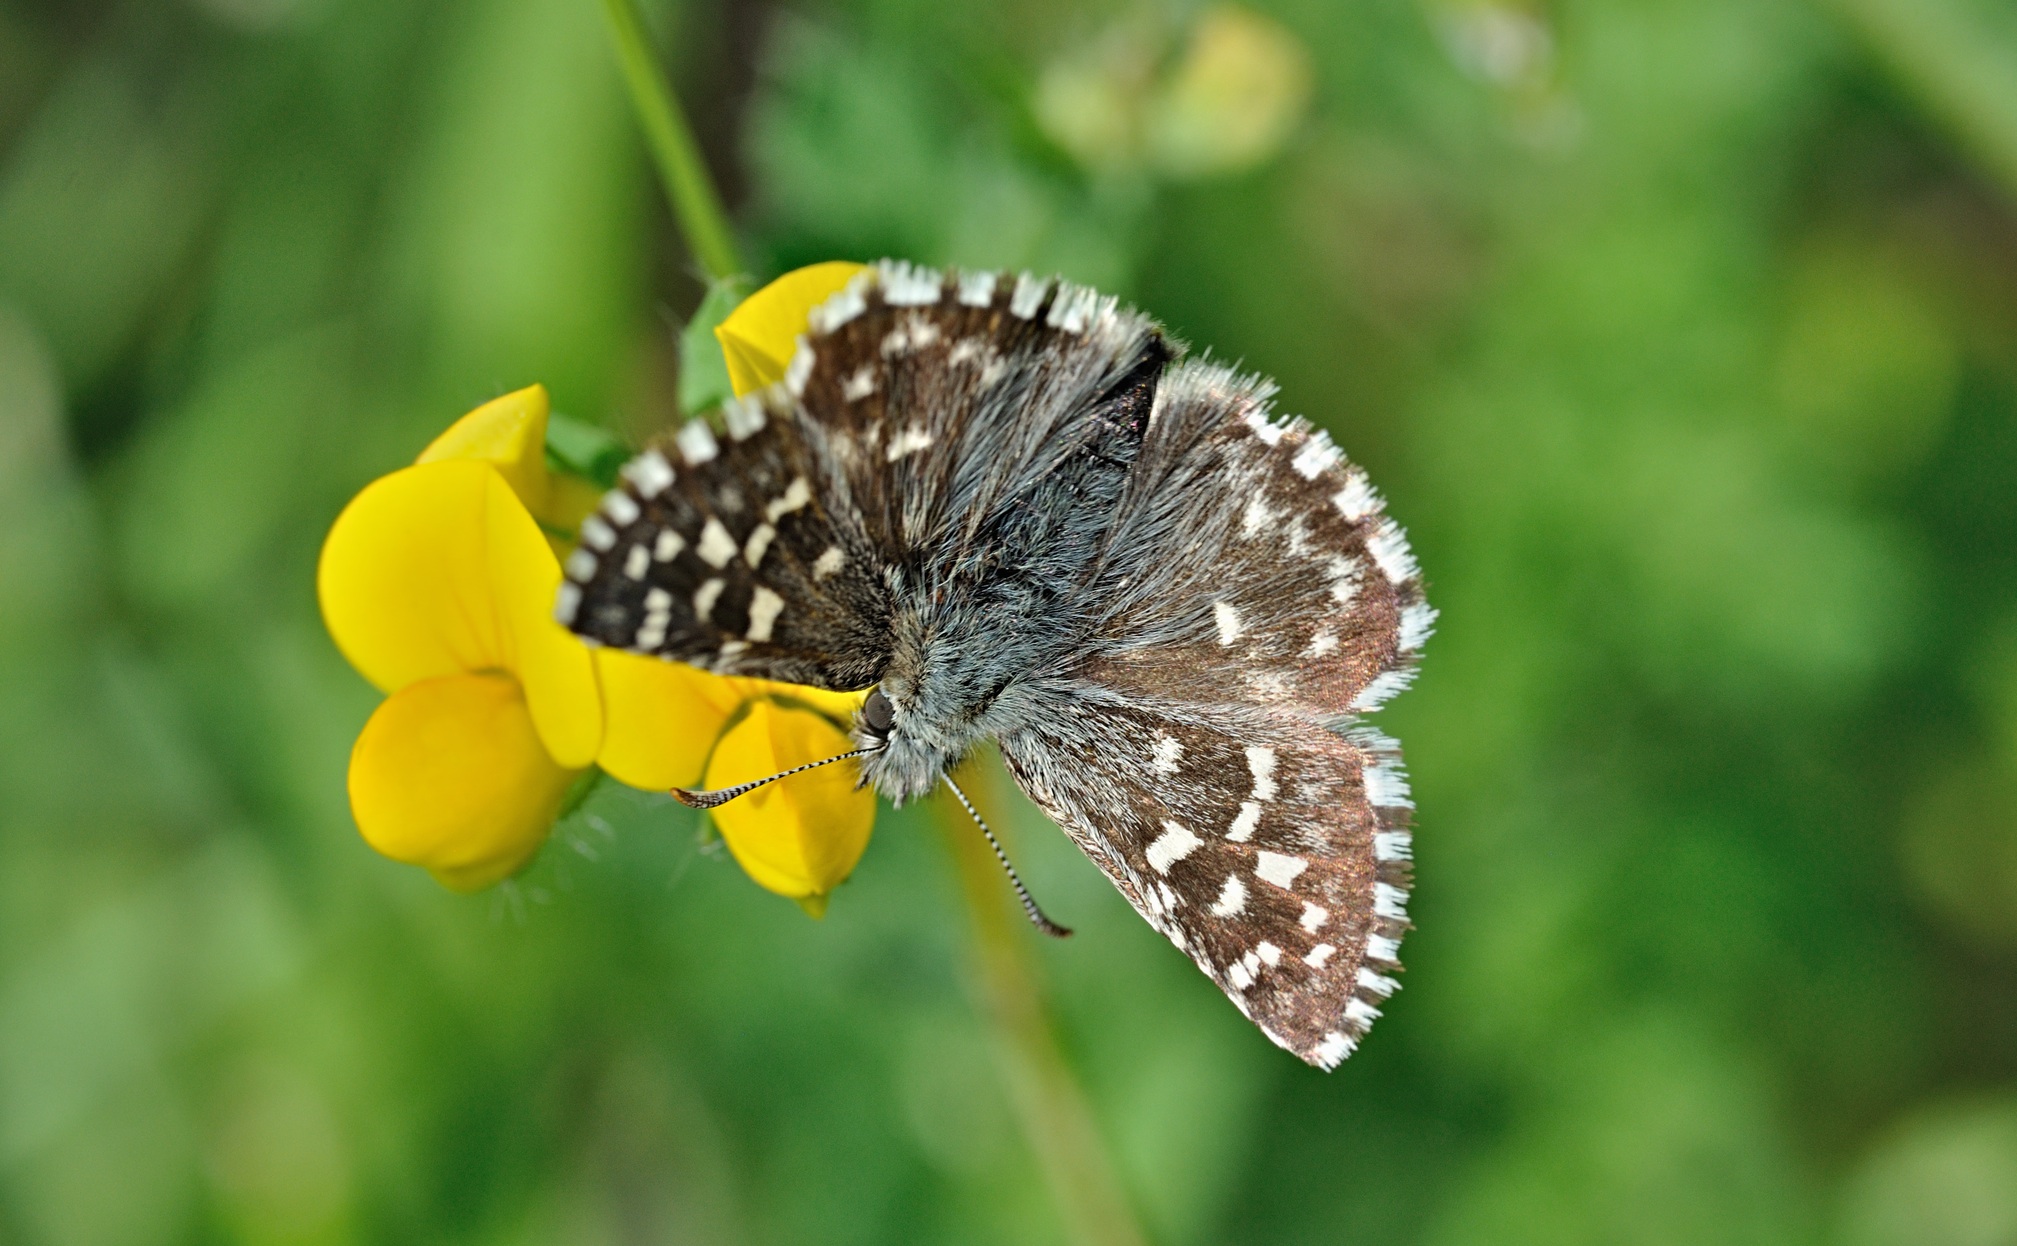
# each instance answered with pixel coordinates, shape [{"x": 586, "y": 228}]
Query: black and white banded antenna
[
  {"x": 722, "y": 795},
  {"x": 1036, "y": 914}
]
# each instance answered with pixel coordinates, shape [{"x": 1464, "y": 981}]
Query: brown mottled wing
[
  {"x": 1275, "y": 853},
  {"x": 952, "y": 404},
  {"x": 1250, "y": 600},
  {"x": 929, "y": 429},
  {"x": 732, "y": 552},
  {"x": 1249, "y": 562}
]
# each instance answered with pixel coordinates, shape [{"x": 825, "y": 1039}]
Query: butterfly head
[{"x": 913, "y": 729}]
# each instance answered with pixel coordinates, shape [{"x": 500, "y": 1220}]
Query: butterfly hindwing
[{"x": 1275, "y": 853}]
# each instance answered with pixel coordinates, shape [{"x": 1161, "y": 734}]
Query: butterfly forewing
[
  {"x": 959, "y": 408},
  {"x": 733, "y": 552}
]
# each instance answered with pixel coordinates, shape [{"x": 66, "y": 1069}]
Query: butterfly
[{"x": 1016, "y": 511}]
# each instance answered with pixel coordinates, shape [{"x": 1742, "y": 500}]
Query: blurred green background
[{"x": 1682, "y": 334}]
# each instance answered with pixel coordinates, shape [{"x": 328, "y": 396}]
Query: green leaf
[
  {"x": 703, "y": 370},
  {"x": 584, "y": 449}
]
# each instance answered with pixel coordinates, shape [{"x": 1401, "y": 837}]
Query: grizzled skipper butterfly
[{"x": 1018, "y": 513}]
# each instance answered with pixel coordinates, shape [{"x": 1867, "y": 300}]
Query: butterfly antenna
[
  {"x": 1037, "y": 917},
  {"x": 722, "y": 795}
]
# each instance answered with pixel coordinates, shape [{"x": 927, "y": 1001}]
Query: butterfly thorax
[{"x": 950, "y": 681}]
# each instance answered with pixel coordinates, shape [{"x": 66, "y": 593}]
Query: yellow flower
[
  {"x": 801, "y": 836},
  {"x": 437, "y": 582},
  {"x": 761, "y": 334}
]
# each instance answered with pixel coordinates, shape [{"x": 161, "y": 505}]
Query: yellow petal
[
  {"x": 660, "y": 718},
  {"x": 838, "y": 706},
  {"x": 799, "y": 836},
  {"x": 569, "y": 500},
  {"x": 437, "y": 570},
  {"x": 449, "y": 774},
  {"x": 760, "y": 335},
  {"x": 509, "y": 433}
]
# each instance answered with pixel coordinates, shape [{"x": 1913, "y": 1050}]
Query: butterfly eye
[{"x": 876, "y": 713}]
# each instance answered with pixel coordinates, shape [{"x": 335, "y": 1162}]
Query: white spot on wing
[
  {"x": 1072, "y": 308},
  {"x": 597, "y": 534},
  {"x": 909, "y": 441},
  {"x": 1228, "y": 620},
  {"x": 1232, "y": 899},
  {"x": 1257, "y": 516},
  {"x": 1314, "y": 915},
  {"x": 744, "y": 416},
  {"x": 905, "y": 286},
  {"x": 828, "y": 563},
  {"x": 1241, "y": 976},
  {"x": 566, "y": 604},
  {"x": 1378, "y": 983},
  {"x": 1316, "y": 455},
  {"x": 1318, "y": 955},
  {"x": 1243, "y": 825},
  {"x": 840, "y": 308},
  {"x": 637, "y": 562},
  {"x": 669, "y": 545},
  {"x": 1417, "y": 621},
  {"x": 796, "y": 495},
  {"x": 1345, "y": 573},
  {"x": 797, "y": 372},
  {"x": 1356, "y": 500},
  {"x": 976, "y": 289},
  {"x": 1323, "y": 644},
  {"x": 1387, "y": 787},
  {"x": 1390, "y": 549},
  {"x": 620, "y": 507},
  {"x": 860, "y": 385},
  {"x": 1261, "y": 760},
  {"x": 696, "y": 443},
  {"x": 1334, "y": 1048},
  {"x": 705, "y": 596},
  {"x": 1172, "y": 846},
  {"x": 649, "y": 473},
  {"x": 580, "y": 565},
  {"x": 1278, "y": 868},
  {"x": 1028, "y": 296},
  {"x": 1264, "y": 428},
  {"x": 1169, "y": 751},
  {"x": 716, "y": 545},
  {"x": 764, "y": 607},
  {"x": 759, "y": 541}
]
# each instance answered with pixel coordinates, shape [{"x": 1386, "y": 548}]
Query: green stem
[
  {"x": 1047, "y": 1100},
  {"x": 687, "y": 184}
]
